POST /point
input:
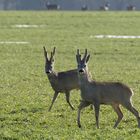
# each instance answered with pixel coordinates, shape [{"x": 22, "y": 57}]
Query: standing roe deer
[
  {"x": 96, "y": 93},
  {"x": 60, "y": 81}
]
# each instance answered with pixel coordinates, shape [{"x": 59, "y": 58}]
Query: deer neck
[
  {"x": 52, "y": 77},
  {"x": 84, "y": 78}
]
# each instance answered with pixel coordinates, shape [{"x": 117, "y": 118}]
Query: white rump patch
[
  {"x": 13, "y": 42},
  {"x": 115, "y": 36}
]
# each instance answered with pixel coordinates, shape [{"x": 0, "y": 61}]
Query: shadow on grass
[{"x": 25, "y": 110}]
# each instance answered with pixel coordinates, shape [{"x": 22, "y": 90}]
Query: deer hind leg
[
  {"x": 119, "y": 113},
  {"x": 82, "y": 105},
  {"x": 130, "y": 107},
  {"x": 67, "y": 99},
  {"x": 53, "y": 100}
]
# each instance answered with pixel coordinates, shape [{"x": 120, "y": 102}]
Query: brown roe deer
[
  {"x": 97, "y": 93},
  {"x": 61, "y": 82}
]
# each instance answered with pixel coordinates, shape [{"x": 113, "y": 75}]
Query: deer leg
[
  {"x": 67, "y": 99},
  {"x": 97, "y": 108},
  {"x": 130, "y": 107},
  {"x": 82, "y": 105},
  {"x": 91, "y": 107},
  {"x": 53, "y": 100},
  {"x": 119, "y": 113}
]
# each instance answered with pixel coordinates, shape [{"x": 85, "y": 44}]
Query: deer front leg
[
  {"x": 53, "y": 100},
  {"x": 82, "y": 105},
  {"x": 97, "y": 108},
  {"x": 67, "y": 99}
]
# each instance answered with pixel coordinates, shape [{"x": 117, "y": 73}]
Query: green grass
[{"x": 25, "y": 93}]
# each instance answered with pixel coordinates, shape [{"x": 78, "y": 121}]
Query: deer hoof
[
  {"x": 79, "y": 125},
  {"x": 73, "y": 108}
]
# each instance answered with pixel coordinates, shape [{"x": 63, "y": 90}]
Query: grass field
[{"x": 25, "y": 92}]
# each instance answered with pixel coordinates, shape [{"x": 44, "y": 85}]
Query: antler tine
[
  {"x": 78, "y": 52},
  {"x": 51, "y": 56},
  {"x": 85, "y": 54},
  {"x": 78, "y": 56},
  {"x": 54, "y": 51},
  {"x": 45, "y": 52},
  {"x": 44, "y": 48}
]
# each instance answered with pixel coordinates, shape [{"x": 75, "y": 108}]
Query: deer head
[
  {"x": 49, "y": 61},
  {"x": 82, "y": 63}
]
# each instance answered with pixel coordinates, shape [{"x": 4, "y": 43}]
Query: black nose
[
  {"x": 81, "y": 70},
  {"x": 48, "y": 72}
]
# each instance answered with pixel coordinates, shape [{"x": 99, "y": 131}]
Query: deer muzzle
[
  {"x": 81, "y": 71},
  {"x": 48, "y": 72}
]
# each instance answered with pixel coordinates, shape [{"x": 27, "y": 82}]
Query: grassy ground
[{"x": 25, "y": 93}]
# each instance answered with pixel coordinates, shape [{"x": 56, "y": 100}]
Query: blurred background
[{"x": 84, "y": 5}]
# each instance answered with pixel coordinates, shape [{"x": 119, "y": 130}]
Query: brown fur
[
  {"x": 97, "y": 93},
  {"x": 61, "y": 82}
]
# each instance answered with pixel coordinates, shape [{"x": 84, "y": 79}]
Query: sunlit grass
[{"x": 25, "y": 92}]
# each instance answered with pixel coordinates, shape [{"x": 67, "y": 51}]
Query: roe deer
[
  {"x": 60, "y": 81},
  {"x": 97, "y": 93}
]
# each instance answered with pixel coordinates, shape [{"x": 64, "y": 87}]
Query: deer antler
[
  {"x": 85, "y": 55},
  {"x": 52, "y": 53},
  {"x": 78, "y": 52},
  {"x": 78, "y": 56},
  {"x": 45, "y": 52}
]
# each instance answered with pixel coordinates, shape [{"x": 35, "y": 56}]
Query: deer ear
[{"x": 87, "y": 59}]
